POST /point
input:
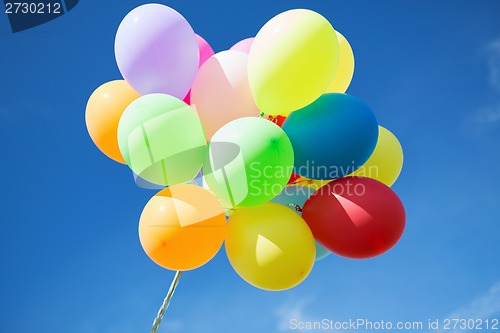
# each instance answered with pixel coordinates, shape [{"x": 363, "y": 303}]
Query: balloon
[
  {"x": 355, "y": 217},
  {"x": 311, "y": 183},
  {"x": 321, "y": 251},
  {"x": 156, "y": 51},
  {"x": 143, "y": 183},
  {"x": 293, "y": 178},
  {"x": 250, "y": 161},
  {"x": 386, "y": 161},
  {"x": 332, "y": 137},
  {"x": 243, "y": 45},
  {"x": 270, "y": 246},
  {"x": 161, "y": 139},
  {"x": 292, "y": 61},
  {"x": 278, "y": 120},
  {"x": 220, "y": 92},
  {"x": 344, "y": 73},
  {"x": 103, "y": 112},
  {"x": 294, "y": 198},
  {"x": 182, "y": 227},
  {"x": 206, "y": 52}
]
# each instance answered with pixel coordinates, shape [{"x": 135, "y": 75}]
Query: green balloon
[
  {"x": 161, "y": 139},
  {"x": 250, "y": 161}
]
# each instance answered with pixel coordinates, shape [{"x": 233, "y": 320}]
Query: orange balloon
[
  {"x": 182, "y": 227},
  {"x": 103, "y": 112}
]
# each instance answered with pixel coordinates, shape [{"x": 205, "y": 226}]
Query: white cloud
[
  {"x": 493, "y": 54},
  {"x": 482, "y": 121},
  {"x": 489, "y": 115},
  {"x": 483, "y": 307},
  {"x": 487, "y": 118},
  {"x": 293, "y": 310}
]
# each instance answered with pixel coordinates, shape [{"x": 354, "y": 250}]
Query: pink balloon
[
  {"x": 156, "y": 51},
  {"x": 243, "y": 45},
  {"x": 221, "y": 92},
  {"x": 206, "y": 52}
]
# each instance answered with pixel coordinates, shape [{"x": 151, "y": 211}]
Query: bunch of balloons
[{"x": 293, "y": 168}]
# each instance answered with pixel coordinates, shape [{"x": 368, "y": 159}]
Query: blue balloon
[
  {"x": 321, "y": 252},
  {"x": 331, "y": 137},
  {"x": 294, "y": 198}
]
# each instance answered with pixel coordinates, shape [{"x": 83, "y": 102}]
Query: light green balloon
[
  {"x": 161, "y": 139},
  {"x": 250, "y": 161}
]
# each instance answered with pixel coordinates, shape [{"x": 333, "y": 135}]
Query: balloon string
[{"x": 166, "y": 302}]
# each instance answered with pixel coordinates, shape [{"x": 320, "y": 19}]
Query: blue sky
[{"x": 70, "y": 258}]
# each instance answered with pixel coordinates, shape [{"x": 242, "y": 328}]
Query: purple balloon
[{"x": 156, "y": 51}]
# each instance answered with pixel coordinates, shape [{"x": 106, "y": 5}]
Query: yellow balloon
[
  {"x": 386, "y": 161},
  {"x": 345, "y": 71},
  {"x": 292, "y": 61},
  {"x": 270, "y": 246}
]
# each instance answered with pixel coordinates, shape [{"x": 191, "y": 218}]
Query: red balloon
[
  {"x": 355, "y": 217},
  {"x": 278, "y": 120},
  {"x": 294, "y": 177}
]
